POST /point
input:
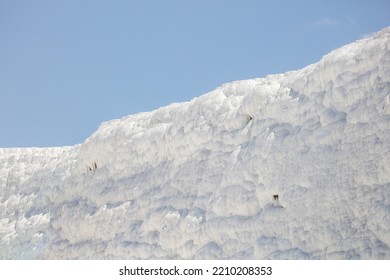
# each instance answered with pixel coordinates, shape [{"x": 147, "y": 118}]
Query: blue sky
[{"x": 66, "y": 66}]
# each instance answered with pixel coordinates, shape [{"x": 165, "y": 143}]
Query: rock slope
[{"x": 290, "y": 166}]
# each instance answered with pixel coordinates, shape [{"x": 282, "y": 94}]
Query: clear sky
[{"x": 67, "y": 65}]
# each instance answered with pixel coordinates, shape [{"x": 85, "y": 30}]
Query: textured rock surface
[{"x": 198, "y": 179}]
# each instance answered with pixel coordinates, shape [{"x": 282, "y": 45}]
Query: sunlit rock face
[{"x": 290, "y": 166}]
